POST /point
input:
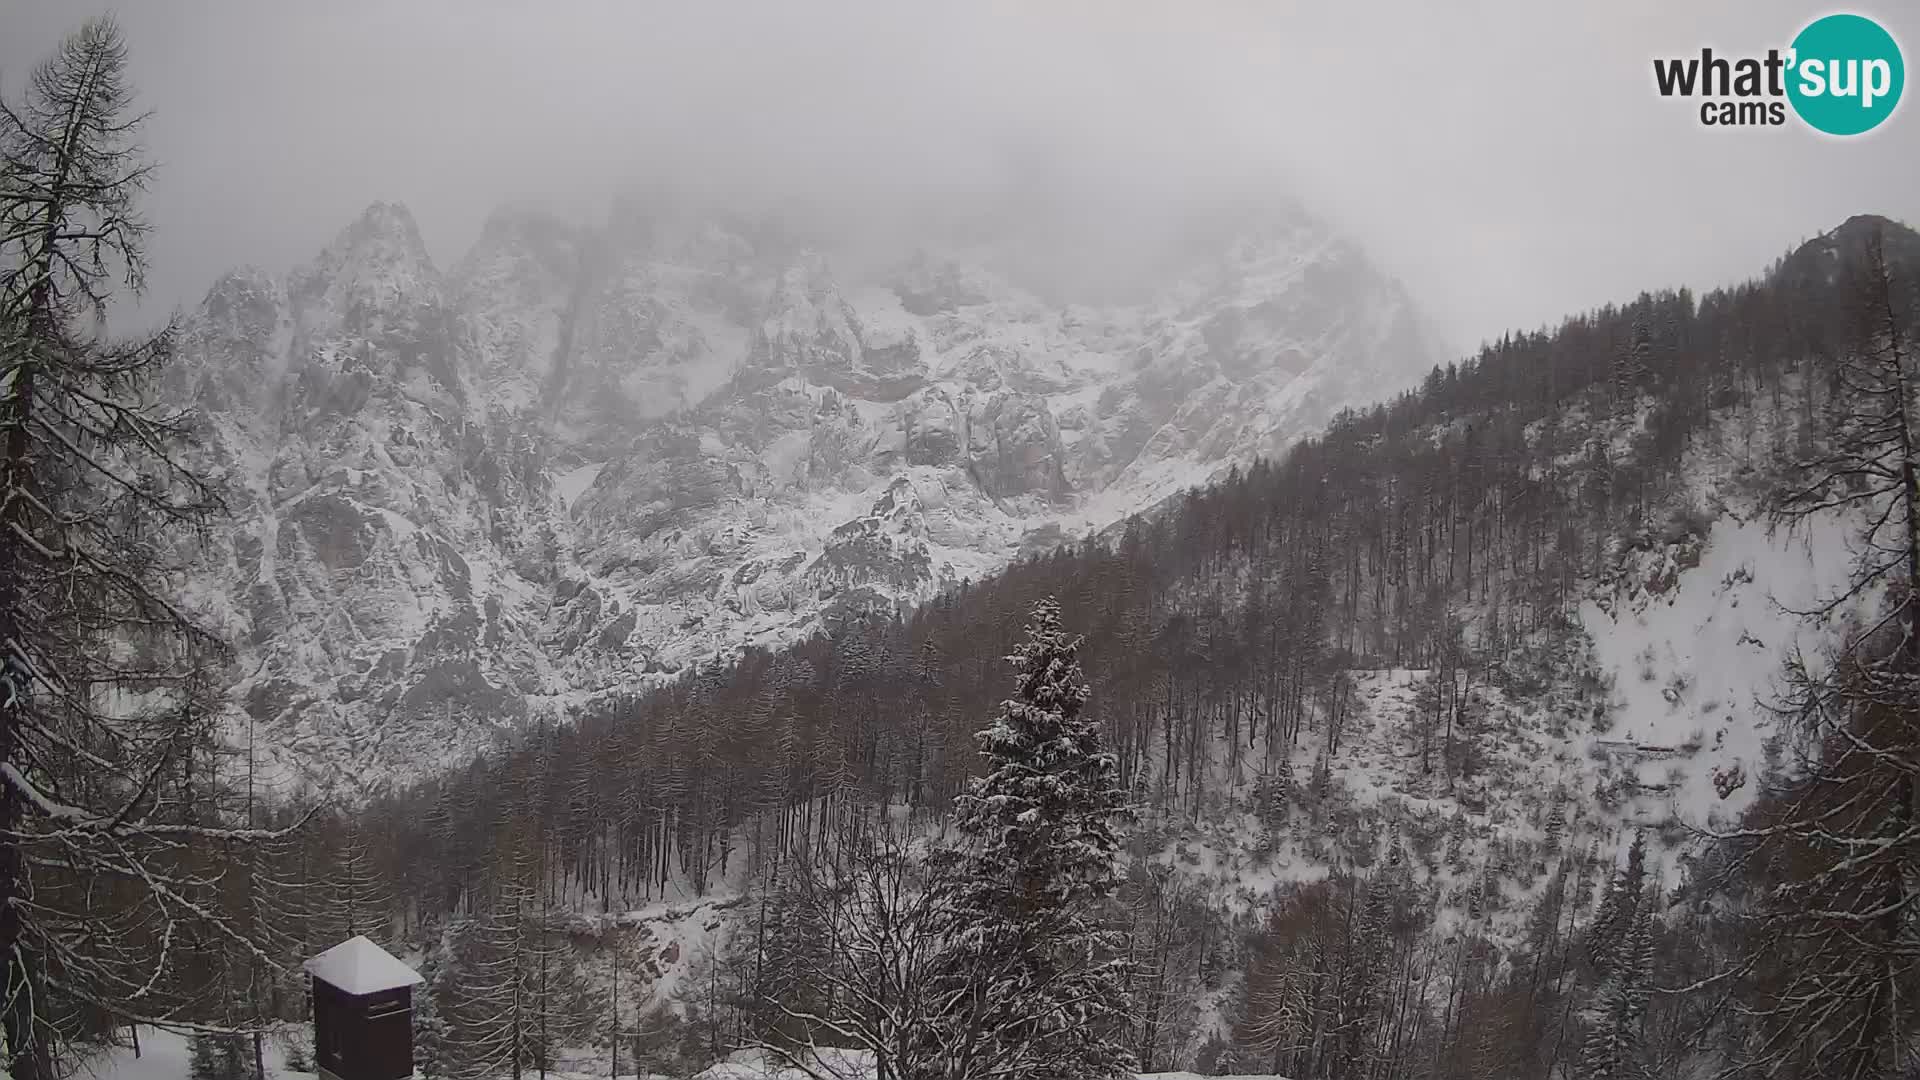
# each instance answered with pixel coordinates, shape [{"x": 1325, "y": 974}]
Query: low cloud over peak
[{"x": 1509, "y": 163}]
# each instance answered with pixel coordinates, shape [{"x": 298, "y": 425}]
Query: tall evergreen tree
[
  {"x": 1615, "y": 1046},
  {"x": 1035, "y": 985},
  {"x": 1618, "y": 907}
]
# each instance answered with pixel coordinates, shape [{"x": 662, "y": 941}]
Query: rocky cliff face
[{"x": 580, "y": 460}]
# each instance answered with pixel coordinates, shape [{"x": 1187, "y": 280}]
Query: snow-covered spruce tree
[
  {"x": 1032, "y": 984},
  {"x": 1370, "y": 961},
  {"x": 1615, "y": 1045},
  {"x": 1618, "y": 907},
  {"x": 1828, "y": 978},
  {"x": 95, "y": 657}
]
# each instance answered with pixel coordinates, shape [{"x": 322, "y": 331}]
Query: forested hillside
[{"x": 1332, "y": 681}]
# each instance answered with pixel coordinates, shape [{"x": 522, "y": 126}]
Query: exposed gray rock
[
  {"x": 587, "y": 458},
  {"x": 1014, "y": 447}
]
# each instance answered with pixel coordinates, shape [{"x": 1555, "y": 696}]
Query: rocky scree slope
[{"x": 579, "y": 460}]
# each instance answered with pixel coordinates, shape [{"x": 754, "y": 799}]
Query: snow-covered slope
[
  {"x": 1695, "y": 655},
  {"x": 583, "y": 459},
  {"x": 1654, "y": 713}
]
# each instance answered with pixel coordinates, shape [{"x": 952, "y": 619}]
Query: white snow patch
[
  {"x": 164, "y": 1056},
  {"x": 400, "y": 525},
  {"x": 574, "y": 482},
  {"x": 1695, "y": 667}
]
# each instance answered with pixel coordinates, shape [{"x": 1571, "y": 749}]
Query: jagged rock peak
[
  {"x": 382, "y": 229},
  {"x": 237, "y": 293},
  {"x": 807, "y": 321},
  {"x": 377, "y": 258}
]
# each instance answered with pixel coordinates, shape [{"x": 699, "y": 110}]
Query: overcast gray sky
[{"x": 1509, "y": 161}]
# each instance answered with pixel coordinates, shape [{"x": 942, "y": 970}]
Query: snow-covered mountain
[{"x": 583, "y": 459}]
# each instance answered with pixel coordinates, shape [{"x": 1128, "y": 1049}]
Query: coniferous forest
[{"x": 983, "y": 838}]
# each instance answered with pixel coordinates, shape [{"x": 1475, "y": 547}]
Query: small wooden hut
[{"x": 362, "y": 1012}]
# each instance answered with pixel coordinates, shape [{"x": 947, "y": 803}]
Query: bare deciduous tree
[{"x": 884, "y": 913}]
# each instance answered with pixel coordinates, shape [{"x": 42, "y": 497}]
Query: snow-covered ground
[
  {"x": 853, "y": 1065},
  {"x": 163, "y": 1056}
]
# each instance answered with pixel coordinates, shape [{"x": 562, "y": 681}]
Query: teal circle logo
[{"x": 1846, "y": 74}]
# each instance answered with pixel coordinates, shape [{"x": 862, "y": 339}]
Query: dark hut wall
[{"x": 363, "y": 1037}]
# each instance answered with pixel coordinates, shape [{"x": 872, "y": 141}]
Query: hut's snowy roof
[{"x": 358, "y": 966}]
